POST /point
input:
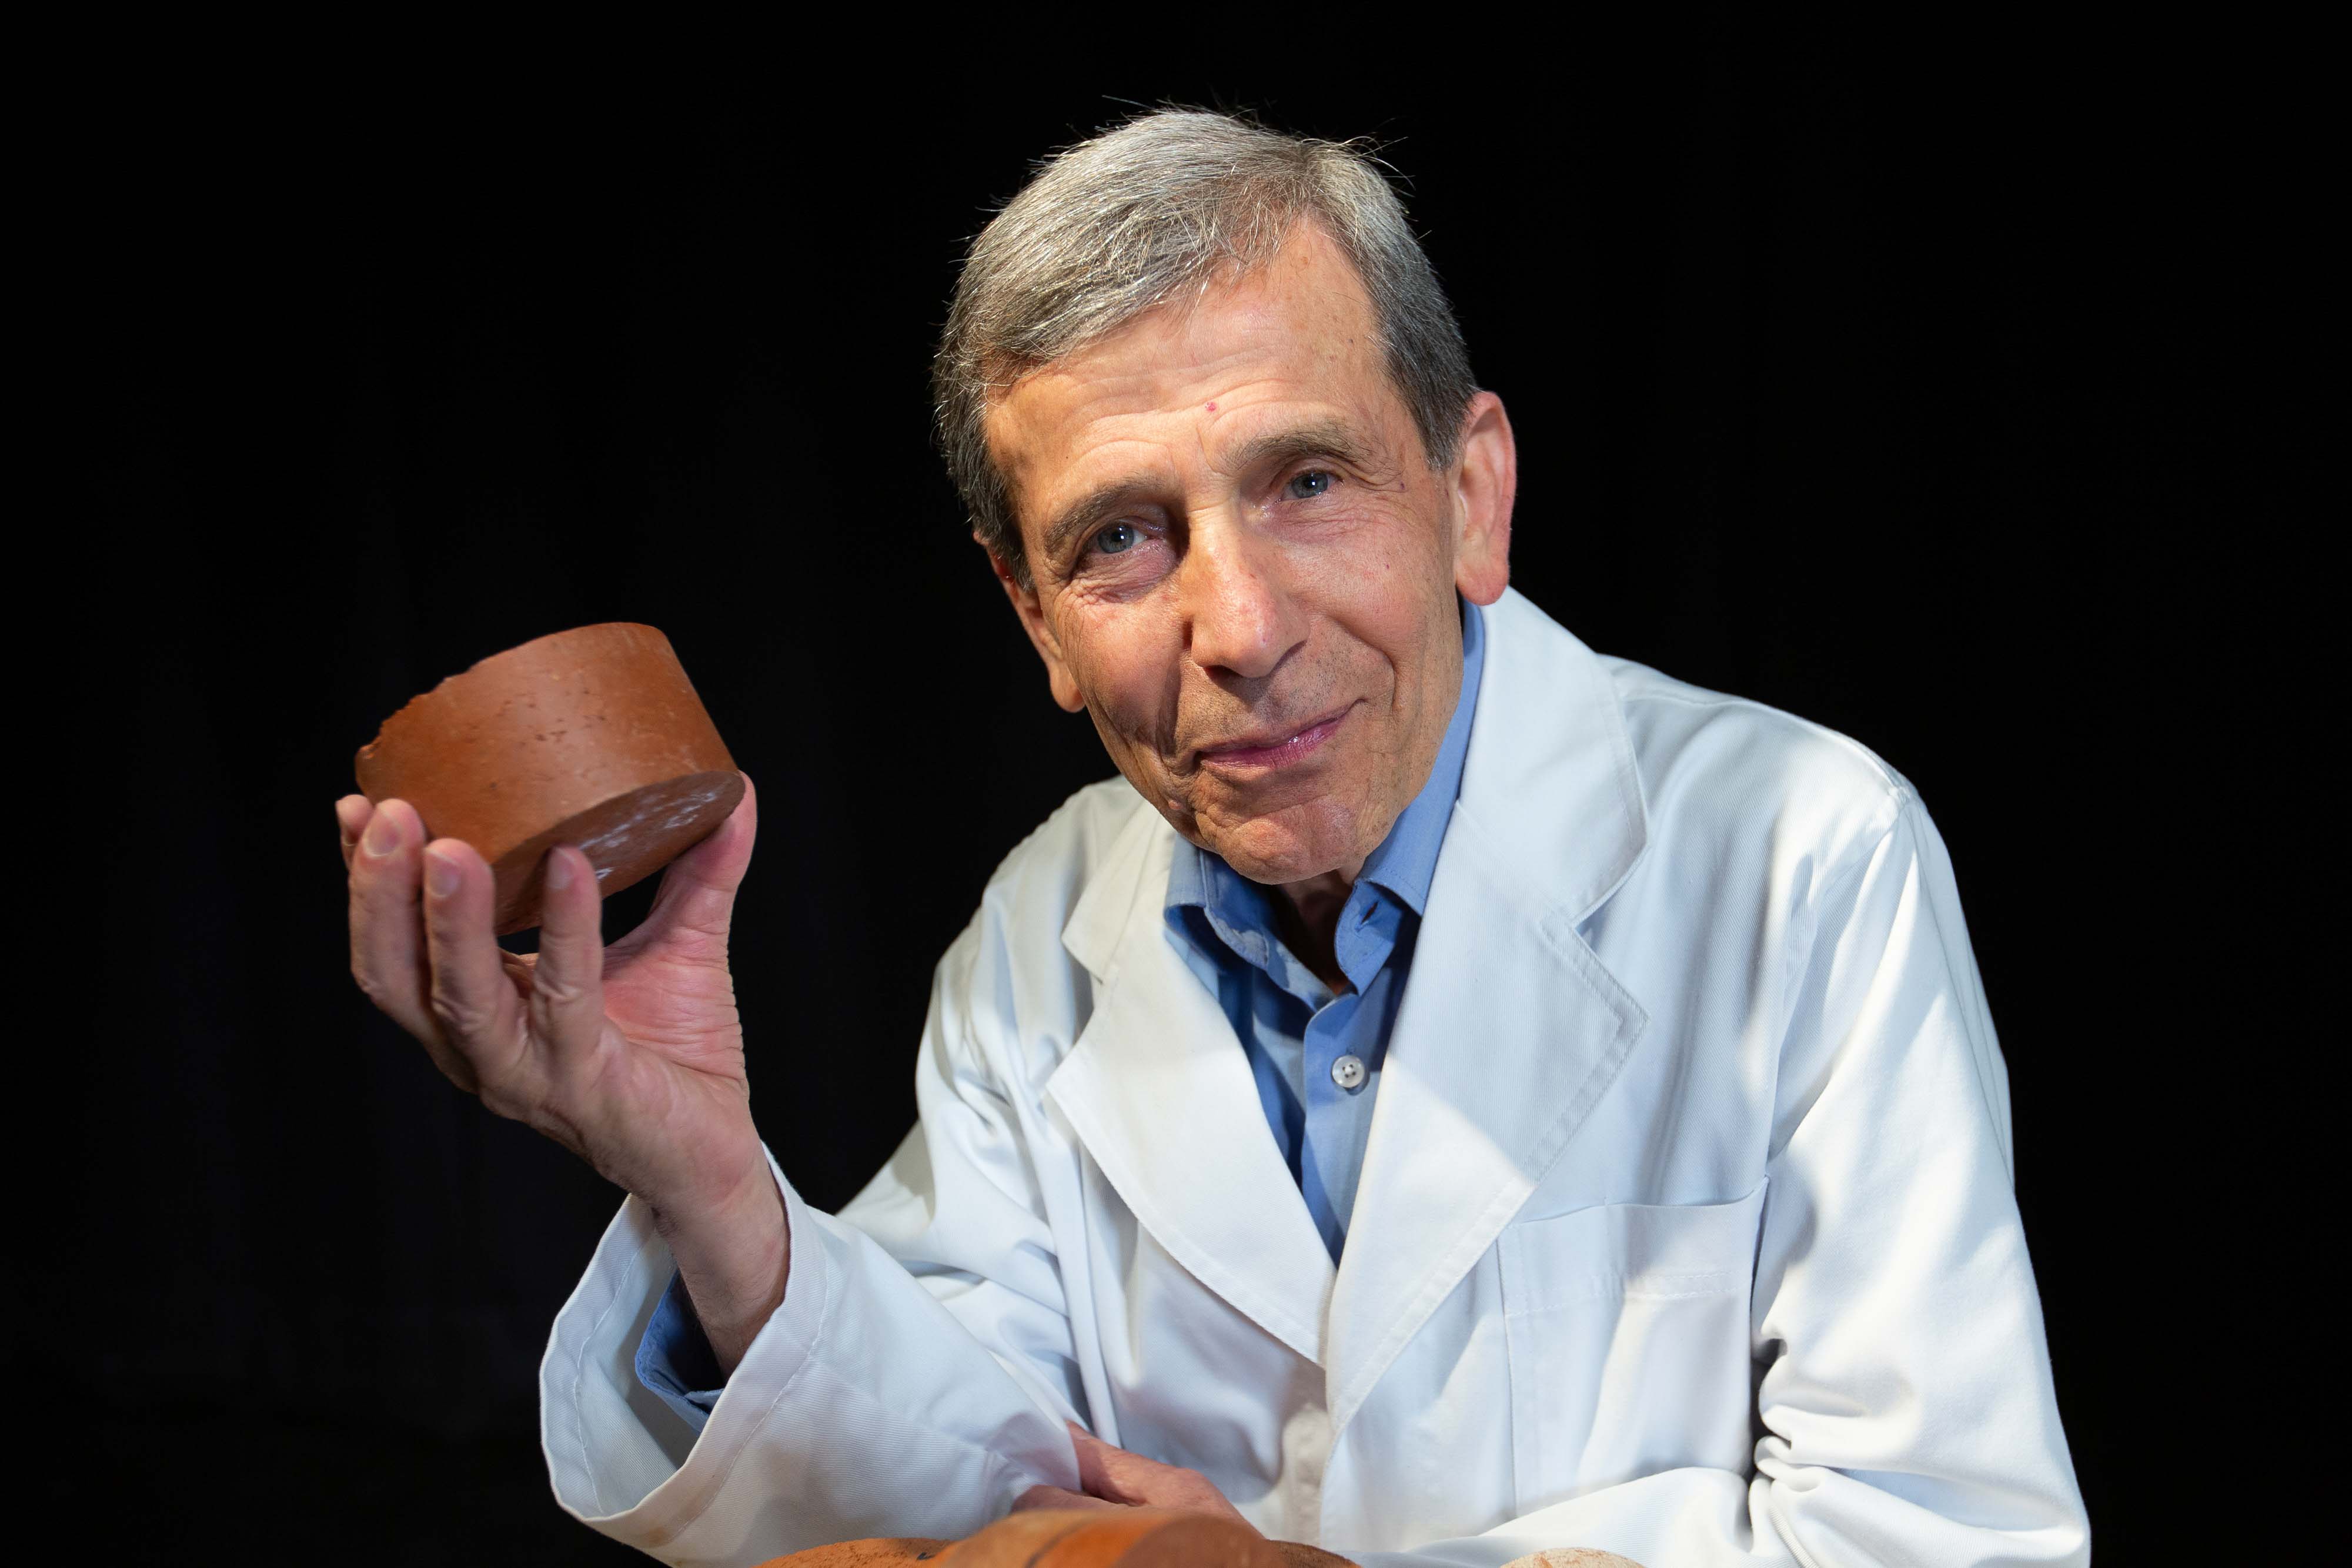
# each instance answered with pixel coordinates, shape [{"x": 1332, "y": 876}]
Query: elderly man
[{"x": 1482, "y": 1096}]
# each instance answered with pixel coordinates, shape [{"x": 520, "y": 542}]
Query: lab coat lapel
[
  {"x": 1511, "y": 1029},
  {"x": 1157, "y": 1089}
]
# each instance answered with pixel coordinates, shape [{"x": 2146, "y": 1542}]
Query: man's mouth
[{"x": 1278, "y": 749}]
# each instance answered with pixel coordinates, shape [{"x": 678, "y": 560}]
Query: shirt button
[{"x": 1347, "y": 1072}]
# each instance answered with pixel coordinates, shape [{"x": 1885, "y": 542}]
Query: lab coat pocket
[{"x": 1627, "y": 1327}]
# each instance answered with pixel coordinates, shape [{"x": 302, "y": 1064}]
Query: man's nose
[{"x": 1240, "y": 618}]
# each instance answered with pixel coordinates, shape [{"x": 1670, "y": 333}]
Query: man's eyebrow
[{"x": 1332, "y": 438}]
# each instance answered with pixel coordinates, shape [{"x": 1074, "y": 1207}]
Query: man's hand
[
  {"x": 1113, "y": 1478},
  {"x": 630, "y": 1056}
]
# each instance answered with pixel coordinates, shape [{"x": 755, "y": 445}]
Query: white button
[{"x": 1348, "y": 1072}]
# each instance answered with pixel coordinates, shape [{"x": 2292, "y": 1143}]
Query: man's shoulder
[
  {"x": 1671, "y": 717},
  {"x": 1047, "y": 871},
  {"x": 1708, "y": 766},
  {"x": 1710, "y": 760}
]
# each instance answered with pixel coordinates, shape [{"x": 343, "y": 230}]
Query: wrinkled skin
[{"x": 1232, "y": 533}]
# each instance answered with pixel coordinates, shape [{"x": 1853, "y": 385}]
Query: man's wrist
[{"x": 734, "y": 1259}]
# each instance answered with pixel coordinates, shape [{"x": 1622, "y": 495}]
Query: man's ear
[
  {"x": 1486, "y": 480},
  {"x": 1031, "y": 613}
]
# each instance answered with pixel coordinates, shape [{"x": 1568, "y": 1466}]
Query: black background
[{"x": 1875, "y": 377}]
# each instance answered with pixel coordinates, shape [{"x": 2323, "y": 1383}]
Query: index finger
[
  {"x": 351, "y": 814},
  {"x": 387, "y": 932}
]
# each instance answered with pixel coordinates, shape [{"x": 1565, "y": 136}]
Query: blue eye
[
  {"x": 1117, "y": 539},
  {"x": 1313, "y": 483}
]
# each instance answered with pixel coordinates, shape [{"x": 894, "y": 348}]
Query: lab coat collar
[
  {"x": 1551, "y": 775},
  {"x": 1158, "y": 1090},
  {"x": 1484, "y": 1083}
]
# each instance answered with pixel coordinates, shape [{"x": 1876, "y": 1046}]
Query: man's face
[{"x": 1245, "y": 568}]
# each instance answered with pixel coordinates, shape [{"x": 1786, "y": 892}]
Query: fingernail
[
  {"x": 440, "y": 873},
  {"x": 558, "y": 870},
  {"x": 382, "y": 835}
]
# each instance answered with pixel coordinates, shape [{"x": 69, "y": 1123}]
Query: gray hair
[{"x": 1115, "y": 226}]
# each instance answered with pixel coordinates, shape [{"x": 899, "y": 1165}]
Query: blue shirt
[{"x": 1294, "y": 1028}]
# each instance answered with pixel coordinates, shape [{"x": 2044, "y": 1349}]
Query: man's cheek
[{"x": 1125, "y": 728}]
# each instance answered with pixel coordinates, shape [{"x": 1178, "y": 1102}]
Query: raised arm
[{"x": 630, "y": 1056}]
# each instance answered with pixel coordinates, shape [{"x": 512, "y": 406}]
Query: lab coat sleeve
[
  {"x": 868, "y": 1405},
  {"x": 1906, "y": 1411}
]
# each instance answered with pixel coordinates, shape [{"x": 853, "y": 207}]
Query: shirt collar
[{"x": 1406, "y": 860}]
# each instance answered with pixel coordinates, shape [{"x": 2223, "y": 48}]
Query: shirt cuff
[{"x": 675, "y": 1361}]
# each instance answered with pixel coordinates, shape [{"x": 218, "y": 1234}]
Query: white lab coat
[{"x": 1685, "y": 1227}]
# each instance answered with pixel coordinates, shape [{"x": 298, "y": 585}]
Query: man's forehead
[{"x": 1291, "y": 341}]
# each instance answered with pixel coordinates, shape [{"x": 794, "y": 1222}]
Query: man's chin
[{"x": 1272, "y": 851}]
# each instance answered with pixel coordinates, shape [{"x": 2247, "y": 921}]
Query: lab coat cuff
[
  {"x": 808, "y": 1277},
  {"x": 615, "y": 1447}
]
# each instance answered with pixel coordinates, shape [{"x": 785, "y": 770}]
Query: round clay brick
[
  {"x": 1079, "y": 1538},
  {"x": 1114, "y": 1538},
  {"x": 592, "y": 736}
]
